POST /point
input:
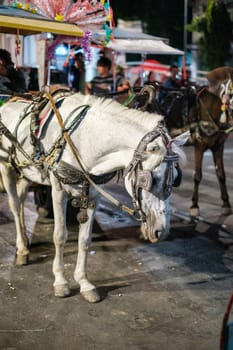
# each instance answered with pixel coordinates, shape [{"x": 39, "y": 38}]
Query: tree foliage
[{"x": 215, "y": 29}]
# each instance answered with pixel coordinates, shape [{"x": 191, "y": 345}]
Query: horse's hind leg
[
  {"x": 194, "y": 209},
  {"x": 16, "y": 203},
  {"x": 220, "y": 173},
  {"x": 87, "y": 289}
]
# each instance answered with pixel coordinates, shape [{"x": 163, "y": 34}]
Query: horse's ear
[{"x": 182, "y": 138}]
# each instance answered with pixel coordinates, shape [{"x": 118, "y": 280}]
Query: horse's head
[{"x": 149, "y": 179}]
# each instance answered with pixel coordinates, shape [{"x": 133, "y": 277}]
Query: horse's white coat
[{"x": 106, "y": 140}]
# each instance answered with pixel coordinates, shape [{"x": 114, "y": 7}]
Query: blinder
[{"x": 144, "y": 180}]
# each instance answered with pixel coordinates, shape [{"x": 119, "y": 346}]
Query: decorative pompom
[{"x": 223, "y": 117}]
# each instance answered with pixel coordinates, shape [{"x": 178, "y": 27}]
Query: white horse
[{"x": 95, "y": 138}]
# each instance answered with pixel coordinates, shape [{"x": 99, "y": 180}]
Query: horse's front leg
[
  {"x": 22, "y": 190},
  {"x": 220, "y": 173},
  {"x": 59, "y": 197},
  {"x": 16, "y": 204},
  {"x": 87, "y": 289},
  {"x": 194, "y": 209}
]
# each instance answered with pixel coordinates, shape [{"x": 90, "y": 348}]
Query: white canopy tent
[
  {"x": 135, "y": 41},
  {"x": 143, "y": 46},
  {"x": 122, "y": 33}
]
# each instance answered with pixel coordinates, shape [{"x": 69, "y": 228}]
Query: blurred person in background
[
  {"x": 78, "y": 73},
  {"x": 151, "y": 79},
  {"x": 172, "y": 82},
  {"x": 123, "y": 83},
  {"x": 11, "y": 79},
  {"x": 103, "y": 83}
]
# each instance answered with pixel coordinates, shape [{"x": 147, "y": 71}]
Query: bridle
[{"x": 142, "y": 179}]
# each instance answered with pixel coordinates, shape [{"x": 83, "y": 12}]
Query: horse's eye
[{"x": 153, "y": 148}]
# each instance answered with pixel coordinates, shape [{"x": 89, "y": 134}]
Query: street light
[{"x": 185, "y": 23}]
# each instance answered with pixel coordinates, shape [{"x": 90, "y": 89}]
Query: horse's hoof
[
  {"x": 21, "y": 260},
  {"x": 62, "y": 291},
  {"x": 92, "y": 296},
  {"x": 194, "y": 212},
  {"x": 226, "y": 211}
]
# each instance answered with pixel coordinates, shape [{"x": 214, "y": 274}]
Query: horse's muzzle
[{"x": 153, "y": 235}]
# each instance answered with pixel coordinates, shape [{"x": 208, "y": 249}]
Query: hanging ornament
[
  {"x": 108, "y": 33},
  {"x": 224, "y": 107},
  {"x": 18, "y": 45},
  {"x": 85, "y": 44}
]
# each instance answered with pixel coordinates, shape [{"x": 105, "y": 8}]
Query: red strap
[{"x": 224, "y": 323}]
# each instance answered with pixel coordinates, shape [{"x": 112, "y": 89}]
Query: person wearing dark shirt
[
  {"x": 11, "y": 78},
  {"x": 103, "y": 83},
  {"x": 150, "y": 79},
  {"x": 172, "y": 82},
  {"x": 78, "y": 73}
]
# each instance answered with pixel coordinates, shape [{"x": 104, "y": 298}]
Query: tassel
[{"x": 223, "y": 117}]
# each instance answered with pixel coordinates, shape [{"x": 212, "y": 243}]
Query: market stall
[{"x": 59, "y": 18}]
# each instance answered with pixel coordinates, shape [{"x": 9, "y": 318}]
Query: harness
[{"x": 141, "y": 179}]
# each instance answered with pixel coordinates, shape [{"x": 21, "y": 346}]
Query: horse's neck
[
  {"x": 107, "y": 142},
  {"x": 113, "y": 146},
  {"x": 210, "y": 106}
]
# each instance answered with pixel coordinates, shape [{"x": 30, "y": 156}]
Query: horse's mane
[
  {"x": 108, "y": 105},
  {"x": 111, "y": 107}
]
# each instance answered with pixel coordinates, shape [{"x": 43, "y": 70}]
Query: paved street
[{"x": 171, "y": 295}]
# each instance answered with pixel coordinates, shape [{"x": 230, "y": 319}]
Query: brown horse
[
  {"x": 203, "y": 118},
  {"x": 200, "y": 112},
  {"x": 208, "y": 133}
]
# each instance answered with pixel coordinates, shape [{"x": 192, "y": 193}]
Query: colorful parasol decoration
[{"x": 89, "y": 15}]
